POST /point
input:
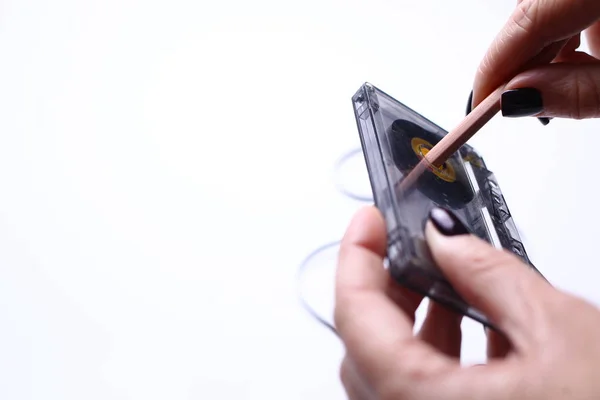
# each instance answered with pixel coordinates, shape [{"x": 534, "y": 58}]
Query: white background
[{"x": 166, "y": 165}]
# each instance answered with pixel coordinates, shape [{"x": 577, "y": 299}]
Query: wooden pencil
[{"x": 473, "y": 122}]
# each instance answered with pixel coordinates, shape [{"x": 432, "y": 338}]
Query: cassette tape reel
[{"x": 394, "y": 139}]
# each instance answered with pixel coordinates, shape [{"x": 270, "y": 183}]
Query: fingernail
[
  {"x": 521, "y": 102},
  {"x": 470, "y": 103},
  {"x": 446, "y": 222}
]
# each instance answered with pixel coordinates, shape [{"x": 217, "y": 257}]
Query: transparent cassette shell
[{"x": 393, "y": 137}]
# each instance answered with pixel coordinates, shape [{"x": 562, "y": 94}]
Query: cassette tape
[{"x": 394, "y": 139}]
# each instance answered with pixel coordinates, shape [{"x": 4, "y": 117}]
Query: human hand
[
  {"x": 551, "y": 350},
  {"x": 569, "y": 87}
]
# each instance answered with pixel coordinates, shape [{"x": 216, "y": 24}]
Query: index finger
[
  {"x": 534, "y": 25},
  {"x": 377, "y": 334}
]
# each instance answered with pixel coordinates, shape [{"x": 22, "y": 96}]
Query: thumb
[
  {"x": 494, "y": 281},
  {"x": 568, "y": 90}
]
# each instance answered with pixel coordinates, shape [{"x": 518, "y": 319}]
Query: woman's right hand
[{"x": 569, "y": 87}]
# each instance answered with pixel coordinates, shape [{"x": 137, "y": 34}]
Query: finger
[
  {"x": 592, "y": 35},
  {"x": 378, "y": 336},
  {"x": 568, "y": 90},
  {"x": 498, "y": 346},
  {"x": 569, "y": 48},
  {"x": 493, "y": 281},
  {"x": 408, "y": 300},
  {"x": 441, "y": 329},
  {"x": 352, "y": 382},
  {"x": 533, "y": 25},
  {"x": 577, "y": 57},
  {"x": 492, "y": 381}
]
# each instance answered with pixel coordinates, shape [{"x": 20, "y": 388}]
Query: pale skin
[
  {"x": 552, "y": 350},
  {"x": 570, "y": 86},
  {"x": 550, "y": 347}
]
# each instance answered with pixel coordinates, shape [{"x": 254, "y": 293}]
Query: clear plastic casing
[{"x": 394, "y": 139}]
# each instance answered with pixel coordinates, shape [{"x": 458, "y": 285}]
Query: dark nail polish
[
  {"x": 470, "y": 103},
  {"x": 544, "y": 120},
  {"x": 447, "y": 223},
  {"x": 521, "y": 102}
]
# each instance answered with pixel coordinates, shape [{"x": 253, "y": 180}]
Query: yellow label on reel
[{"x": 445, "y": 171}]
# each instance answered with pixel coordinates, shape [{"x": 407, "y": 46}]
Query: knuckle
[
  {"x": 412, "y": 367},
  {"x": 474, "y": 253},
  {"x": 586, "y": 99},
  {"x": 577, "y": 89},
  {"x": 524, "y": 18},
  {"x": 344, "y": 372},
  {"x": 412, "y": 374},
  {"x": 483, "y": 262},
  {"x": 392, "y": 389},
  {"x": 488, "y": 62},
  {"x": 389, "y": 392},
  {"x": 341, "y": 315},
  {"x": 483, "y": 266},
  {"x": 339, "y": 319},
  {"x": 345, "y": 315}
]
